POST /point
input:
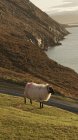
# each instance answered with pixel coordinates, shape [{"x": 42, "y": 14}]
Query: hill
[
  {"x": 22, "y": 26},
  {"x": 19, "y": 121},
  {"x": 66, "y": 17},
  {"x": 24, "y": 21}
]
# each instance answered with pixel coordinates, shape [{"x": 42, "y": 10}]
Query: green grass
[{"x": 28, "y": 122}]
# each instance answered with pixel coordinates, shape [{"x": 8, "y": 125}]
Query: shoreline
[{"x": 49, "y": 56}]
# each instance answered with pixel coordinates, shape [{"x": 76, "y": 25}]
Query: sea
[{"x": 66, "y": 54}]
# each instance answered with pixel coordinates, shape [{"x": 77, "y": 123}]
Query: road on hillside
[{"x": 15, "y": 90}]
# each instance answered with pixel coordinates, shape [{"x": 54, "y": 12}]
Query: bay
[{"x": 67, "y": 53}]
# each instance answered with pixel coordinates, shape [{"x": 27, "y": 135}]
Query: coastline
[{"x": 61, "y": 55}]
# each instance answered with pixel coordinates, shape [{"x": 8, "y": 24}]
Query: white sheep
[{"x": 37, "y": 92}]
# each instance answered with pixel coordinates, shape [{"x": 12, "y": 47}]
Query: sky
[{"x": 56, "y": 6}]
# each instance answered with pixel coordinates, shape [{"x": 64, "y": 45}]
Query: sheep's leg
[
  {"x": 25, "y": 100},
  {"x": 42, "y": 104},
  {"x": 30, "y": 101}
]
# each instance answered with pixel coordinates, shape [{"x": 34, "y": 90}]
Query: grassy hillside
[
  {"x": 28, "y": 122},
  {"x": 21, "y": 59}
]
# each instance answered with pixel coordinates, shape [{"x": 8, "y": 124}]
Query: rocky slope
[
  {"x": 23, "y": 28},
  {"x": 22, "y": 20}
]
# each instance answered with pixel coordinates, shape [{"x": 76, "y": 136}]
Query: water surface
[{"x": 67, "y": 53}]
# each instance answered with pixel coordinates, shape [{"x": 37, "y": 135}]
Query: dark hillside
[
  {"x": 21, "y": 26},
  {"x": 19, "y": 18}
]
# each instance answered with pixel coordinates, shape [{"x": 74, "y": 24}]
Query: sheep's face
[{"x": 50, "y": 90}]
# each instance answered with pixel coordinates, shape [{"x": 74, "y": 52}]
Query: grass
[{"x": 28, "y": 122}]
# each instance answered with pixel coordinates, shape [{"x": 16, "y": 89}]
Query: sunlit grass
[{"x": 28, "y": 122}]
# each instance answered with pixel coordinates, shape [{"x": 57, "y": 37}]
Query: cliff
[{"x": 20, "y": 19}]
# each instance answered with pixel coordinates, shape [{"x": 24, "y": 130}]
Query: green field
[{"x": 28, "y": 122}]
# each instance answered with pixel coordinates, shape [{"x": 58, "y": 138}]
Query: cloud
[
  {"x": 45, "y": 4},
  {"x": 66, "y": 6},
  {"x": 65, "y": 9},
  {"x": 72, "y": 2}
]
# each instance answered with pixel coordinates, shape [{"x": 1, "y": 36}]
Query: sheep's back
[{"x": 37, "y": 92}]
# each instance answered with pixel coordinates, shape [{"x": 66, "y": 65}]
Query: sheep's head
[{"x": 50, "y": 89}]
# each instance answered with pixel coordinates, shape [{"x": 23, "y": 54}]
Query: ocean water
[{"x": 67, "y": 53}]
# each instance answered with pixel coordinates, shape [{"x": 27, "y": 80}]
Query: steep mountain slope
[
  {"x": 19, "y": 18},
  {"x": 22, "y": 27}
]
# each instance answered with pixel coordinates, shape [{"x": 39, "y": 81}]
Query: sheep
[{"x": 38, "y": 92}]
